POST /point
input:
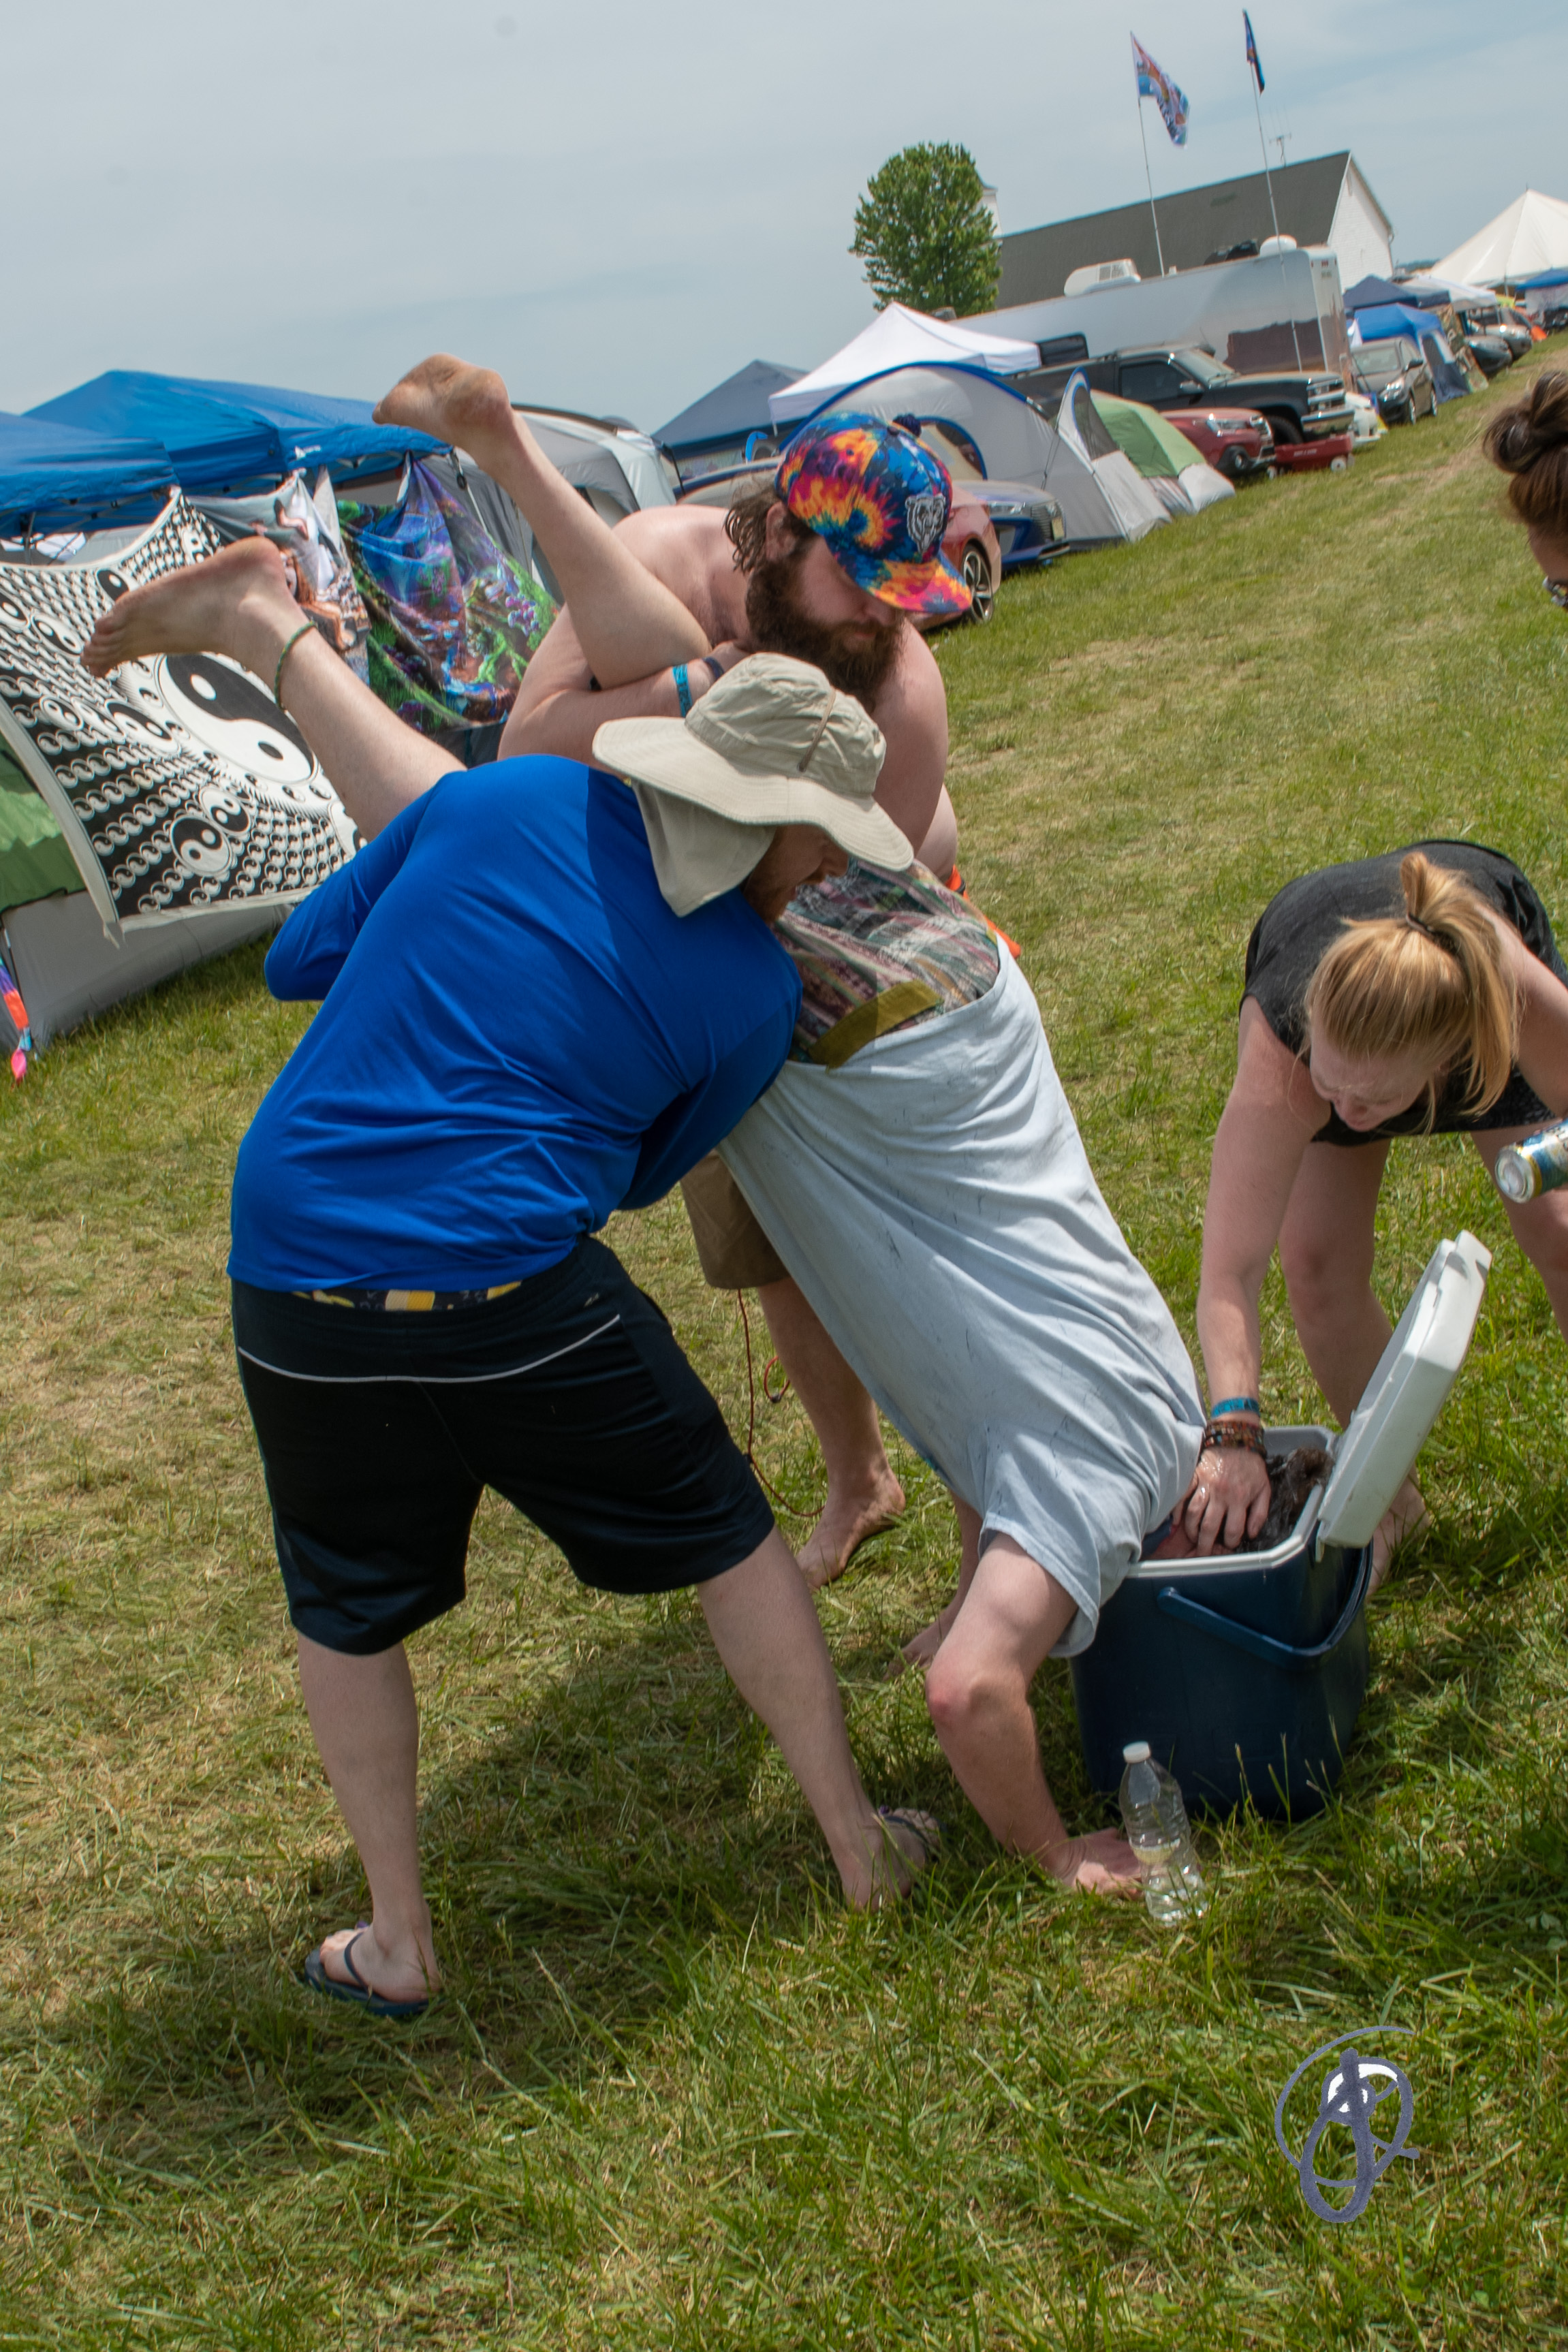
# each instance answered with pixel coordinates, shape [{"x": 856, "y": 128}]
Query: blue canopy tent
[
  {"x": 1448, "y": 378},
  {"x": 715, "y": 430},
  {"x": 53, "y": 478},
  {"x": 233, "y": 438},
  {"x": 1370, "y": 293}
]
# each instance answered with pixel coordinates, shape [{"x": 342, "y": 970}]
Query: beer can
[{"x": 1539, "y": 1165}]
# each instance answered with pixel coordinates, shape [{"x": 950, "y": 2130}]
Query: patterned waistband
[{"x": 410, "y": 1302}]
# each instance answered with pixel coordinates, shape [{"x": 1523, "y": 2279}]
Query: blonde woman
[{"x": 1416, "y": 993}]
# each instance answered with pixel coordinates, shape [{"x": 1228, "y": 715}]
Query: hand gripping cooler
[{"x": 1245, "y": 1672}]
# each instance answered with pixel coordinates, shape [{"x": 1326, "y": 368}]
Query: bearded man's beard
[{"x": 851, "y": 659}]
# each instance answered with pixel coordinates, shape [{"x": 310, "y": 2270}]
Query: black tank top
[{"x": 1305, "y": 919}]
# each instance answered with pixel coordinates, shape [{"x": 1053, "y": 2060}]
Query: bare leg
[
  {"x": 366, "y": 1723},
  {"x": 1326, "y": 1247},
  {"x": 765, "y": 1631},
  {"x": 978, "y": 1692},
  {"x": 238, "y": 602},
  {"x": 863, "y": 1495},
  {"x": 921, "y": 1647},
  {"x": 627, "y": 623},
  {"x": 1539, "y": 1227}
]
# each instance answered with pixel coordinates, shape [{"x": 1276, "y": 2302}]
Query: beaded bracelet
[
  {"x": 303, "y": 630},
  {"x": 1235, "y": 1436},
  {"x": 1235, "y": 1404}
]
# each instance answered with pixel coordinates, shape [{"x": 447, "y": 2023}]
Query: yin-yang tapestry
[{"x": 177, "y": 780}]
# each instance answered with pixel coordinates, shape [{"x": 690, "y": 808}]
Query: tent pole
[
  {"x": 1268, "y": 183},
  {"x": 1142, "y": 134}
]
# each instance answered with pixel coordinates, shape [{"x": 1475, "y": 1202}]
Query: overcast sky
[{"x": 619, "y": 205}]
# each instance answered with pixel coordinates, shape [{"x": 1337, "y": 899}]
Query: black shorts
[{"x": 569, "y": 1395}]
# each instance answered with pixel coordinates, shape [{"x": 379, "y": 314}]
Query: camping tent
[
  {"x": 53, "y": 478},
  {"x": 713, "y": 432},
  {"x": 617, "y": 466},
  {"x": 1530, "y": 235},
  {"x": 189, "y": 806},
  {"x": 1183, "y": 482},
  {"x": 226, "y": 438},
  {"x": 1082, "y": 429},
  {"x": 897, "y": 338},
  {"x": 1014, "y": 440}
]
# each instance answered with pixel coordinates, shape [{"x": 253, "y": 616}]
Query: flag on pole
[
  {"x": 1252, "y": 48},
  {"x": 1155, "y": 83}
]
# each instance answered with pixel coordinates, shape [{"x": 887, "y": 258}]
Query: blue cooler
[{"x": 1245, "y": 1672}]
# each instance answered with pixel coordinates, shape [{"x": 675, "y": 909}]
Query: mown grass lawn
[{"x": 674, "y": 2096}]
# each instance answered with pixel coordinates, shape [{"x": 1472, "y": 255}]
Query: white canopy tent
[
  {"x": 1530, "y": 235},
  {"x": 897, "y": 338}
]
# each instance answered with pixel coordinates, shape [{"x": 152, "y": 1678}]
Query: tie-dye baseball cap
[{"x": 881, "y": 501}]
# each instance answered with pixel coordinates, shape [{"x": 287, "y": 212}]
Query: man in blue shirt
[{"x": 520, "y": 1034}]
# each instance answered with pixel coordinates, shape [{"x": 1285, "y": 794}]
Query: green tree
[{"x": 924, "y": 233}]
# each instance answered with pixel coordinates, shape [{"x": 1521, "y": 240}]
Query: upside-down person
[
  {"x": 918, "y": 1170},
  {"x": 518, "y": 1034},
  {"x": 829, "y": 563}
]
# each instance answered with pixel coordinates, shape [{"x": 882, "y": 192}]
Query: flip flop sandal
[
  {"x": 925, "y": 1828},
  {"x": 359, "y": 1993}
]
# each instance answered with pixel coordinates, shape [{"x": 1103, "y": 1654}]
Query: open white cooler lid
[{"x": 1406, "y": 1392}]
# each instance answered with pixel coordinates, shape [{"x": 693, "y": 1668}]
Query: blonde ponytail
[{"x": 1431, "y": 982}]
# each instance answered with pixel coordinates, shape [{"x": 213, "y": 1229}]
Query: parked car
[
  {"x": 1495, "y": 324},
  {"x": 969, "y": 543},
  {"x": 1028, "y": 522},
  {"x": 1237, "y": 442},
  {"x": 1491, "y": 352},
  {"x": 1299, "y": 405},
  {"x": 1394, "y": 374}
]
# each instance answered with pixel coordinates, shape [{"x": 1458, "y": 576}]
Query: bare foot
[
  {"x": 406, "y": 1973},
  {"x": 196, "y": 611},
  {"x": 909, "y": 1843},
  {"x": 451, "y": 401},
  {"x": 846, "y": 1524},
  {"x": 1103, "y": 1863},
  {"x": 1405, "y": 1516}
]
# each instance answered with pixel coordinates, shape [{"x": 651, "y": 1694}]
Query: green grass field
[{"x": 674, "y": 2097}]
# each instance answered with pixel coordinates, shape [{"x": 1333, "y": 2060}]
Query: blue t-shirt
[{"x": 518, "y": 1037}]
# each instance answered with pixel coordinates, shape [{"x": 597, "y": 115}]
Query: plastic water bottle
[{"x": 1156, "y": 1822}]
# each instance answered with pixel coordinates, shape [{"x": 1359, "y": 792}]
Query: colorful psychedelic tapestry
[
  {"x": 454, "y": 621},
  {"x": 177, "y": 782}
]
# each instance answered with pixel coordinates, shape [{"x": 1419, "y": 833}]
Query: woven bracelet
[
  {"x": 303, "y": 630},
  {"x": 1235, "y": 1404},
  {"x": 1234, "y": 1437},
  {"x": 682, "y": 688}
]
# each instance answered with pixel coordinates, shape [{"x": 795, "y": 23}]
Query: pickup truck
[{"x": 1299, "y": 407}]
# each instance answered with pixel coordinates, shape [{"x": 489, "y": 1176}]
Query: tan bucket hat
[{"x": 770, "y": 743}]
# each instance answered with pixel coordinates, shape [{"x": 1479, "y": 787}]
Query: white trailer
[{"x": 1278, "y": 310}]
